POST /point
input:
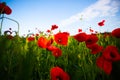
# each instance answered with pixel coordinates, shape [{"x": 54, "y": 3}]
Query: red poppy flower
[
  {"x": 79, "y": 30},
  {"x": 100, "y": 62},
  {"x": 101, "y": 23},
  {"x": 111, "y": 53},
  {"x": 65, "y": 76},
  {"x": 104, "y": 64},
  {"x": 107, "y": 67},
  {"x": 91, "y": 30},
  {"x": 61, "y": 38},
  {"x": 43, "y": 42},
  {"x": 30, "y": 39},
  {"x": 91, "y": 39},
  {"x": 56, "y": 52},
  {"x": 54, "y": 27},
  {"x": 95, "y": 48},
  {"x": 5, "y": 9},
  {"x": 50, "y": 41},
  {"x": 48, "y": 31},
  {"x": 51, "y": 48},
  {"x": 10, "y": 37},
  {"x": 37, "y": 34},
  {"x": 81, "y": 37},
  {"x": 57, "y": 73},
  {"x": 116, "y": 33}
]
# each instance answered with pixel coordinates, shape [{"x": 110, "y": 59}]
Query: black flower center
[
  {"x": 58, "y": 78},
  {"x": 112, "y": 55},
  {"x": 59, "y": 40},
  {"x": 89, "y": 40}
]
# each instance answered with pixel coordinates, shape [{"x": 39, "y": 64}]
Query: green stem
[
  {"x": 83, "y": 66},
  {"x": 84, "y": 73},
  {"x": 66, "y": 62},
  {"x": 9, "y": 66},
  {"x": 55, "y": 63},
  {"x": 1, "y": 24}
]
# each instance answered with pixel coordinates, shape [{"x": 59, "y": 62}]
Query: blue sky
[{"x": 41, "y": 14}]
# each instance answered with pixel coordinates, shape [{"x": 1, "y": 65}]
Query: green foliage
[{"x": 22, "y": 60}]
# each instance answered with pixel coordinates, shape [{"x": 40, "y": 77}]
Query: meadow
[{"x": 60, "y": 56}]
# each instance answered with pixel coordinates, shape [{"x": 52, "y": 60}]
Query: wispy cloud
[{"x": 102, "y": 8}]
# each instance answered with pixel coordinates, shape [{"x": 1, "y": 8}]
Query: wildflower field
[{"x": 59, "y": 56}]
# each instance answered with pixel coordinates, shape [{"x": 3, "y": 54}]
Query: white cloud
[{"x": 102, "y": 8}]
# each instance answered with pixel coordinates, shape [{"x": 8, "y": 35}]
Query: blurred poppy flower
[
  {"x": 91, "y": 30},
  {"x": 65, "y": 76},
  {"x": 80, "y": 37},
  {"x": 50, "y": 41},
  {"x": 56, "y": 52},
  {"x": 30, "y": 38},
  {"x": 95, "y": 48},
  {"x": 51, "y": 48},
  {"x": 116, "y": 33},
  {"x": 92, "y": 38},
  {"x": 48, "y": 31},
  {"x": 37, "y": 34},
  {"x": 96, "y": 32},
  {"x": 111, "y": 53},
  {"x": 104, "y": 64},
  {"x": 5, "y": 9},
  {"x": 43, "y": 42},
  {"x": 101, "y": 23},
  {"x": 61, "y": 38},
  {"x": 54, "y": 27},
  {"x": 79, "y": 30},
  {"x": 57, "y": 73}
]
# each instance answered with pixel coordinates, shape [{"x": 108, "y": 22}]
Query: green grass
[{"x": 22, "y": 60}]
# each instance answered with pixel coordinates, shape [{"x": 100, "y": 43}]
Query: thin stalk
[
  {"x": 9, "y": 67},
  {"x": 55, "y": 63},
  {"x": 83, "y": 66},
  {"x": 84, "y": 73},
  {"x": 2, "y": 11},
  {"x": 1, "y": 24}
]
